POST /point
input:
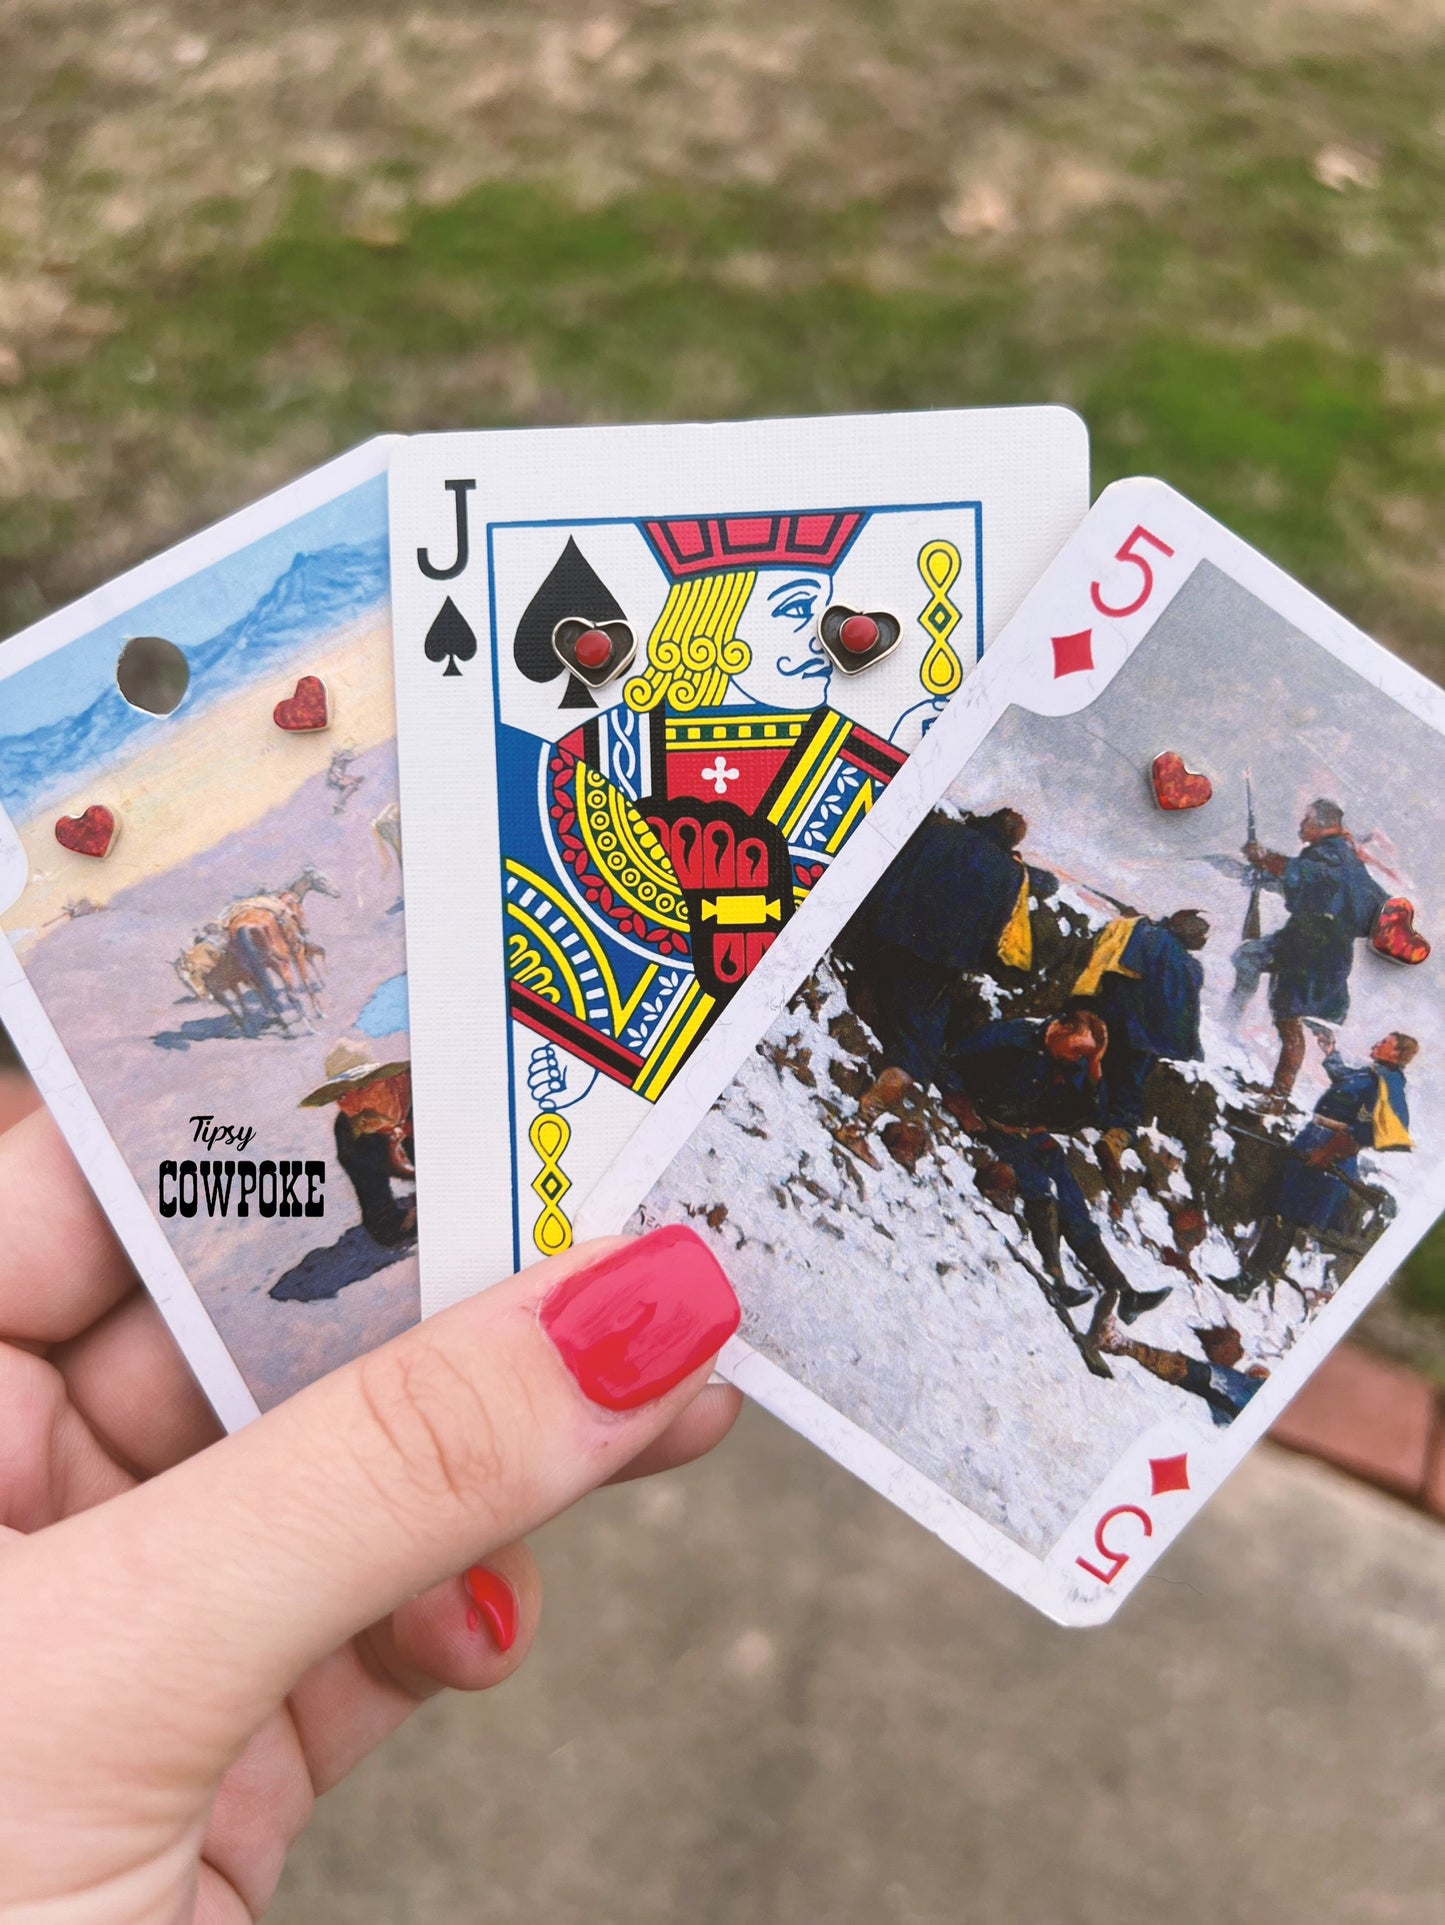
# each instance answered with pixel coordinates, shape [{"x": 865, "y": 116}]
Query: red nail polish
[
  {"x": 634, "y": 1324},
  {"x": 497, "y": 1603}
]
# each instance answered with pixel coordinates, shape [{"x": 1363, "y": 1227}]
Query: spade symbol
[
  {"x": 450, "y": 638},
  {"x": 572, "y": 588}
]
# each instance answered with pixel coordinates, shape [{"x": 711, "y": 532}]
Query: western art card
[
  {"x": 1110, "y": 1083},
  {"x": 651, "y": 681},
  {"x": 203, "y": 959}
]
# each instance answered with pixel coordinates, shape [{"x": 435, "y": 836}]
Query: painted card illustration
[
  {"x": 680, "y": 665},
  {"x": 204, "y": 955},
  {"x": 1111, "y": 1086}
]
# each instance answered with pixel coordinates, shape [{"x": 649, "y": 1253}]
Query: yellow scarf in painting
[
  {"x": 1107, "y": 955},
  {"x": 1390, "y": 1132},
  {"x": 1016, "y": 944}
]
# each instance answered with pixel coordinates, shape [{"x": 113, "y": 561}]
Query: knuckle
[
  {"x": 435, "y": 1441},
  {"x": 32, "y": 1402},
  {"x": 32, "y": 1394}
]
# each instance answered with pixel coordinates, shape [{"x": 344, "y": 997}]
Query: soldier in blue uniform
[
  {"x": 1144, "y": 979},
  {"x": 1365, "y": 1107},
  {"x": 1013, "y": 1084},
  {"x": 1216, "y": 1377},
  {"x": 955, "y": 900},
  {"x": 1332, "y": 900}
]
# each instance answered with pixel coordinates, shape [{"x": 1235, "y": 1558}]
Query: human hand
[
  {"x": 997, "y": 1184},
  {"x": 1332, "y": 1150},
  {"x": 962, "y": 1108},
  {"x": 200, "y": 1636},
  {"x": 17, "y": 1097}
]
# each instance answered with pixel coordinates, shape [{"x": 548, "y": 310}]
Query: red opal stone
[
  {"x": 593, "y": 648},
  {"x": 858, "y": 634},
  {"x": 1395, "y": 933},
  {"x": 1176, "y": 786},
  {"x": 90, "y": 834},
  {"x": 307, "y": 710}
]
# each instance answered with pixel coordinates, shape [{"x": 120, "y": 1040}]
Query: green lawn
[{"x": 1249, "y": 363}]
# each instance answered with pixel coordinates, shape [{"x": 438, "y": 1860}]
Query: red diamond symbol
[
  {"x": 1073, "y": 653},
  {"x": 1170, "y": 1473}
]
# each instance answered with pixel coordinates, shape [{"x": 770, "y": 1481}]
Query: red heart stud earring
[
  {"x": 307, "y": 711},
  {"x": 855, "y": 640},
  {"x": 1177, "y": 786},
  {"x": 1395, "y": 935},
  {"x": 92, "y": 834},
  {"x": 596, "y": 652}
]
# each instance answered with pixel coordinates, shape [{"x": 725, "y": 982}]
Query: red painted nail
[
  {"x": 636, "y": 1323},
  {"x": 497, "y": 1603}
]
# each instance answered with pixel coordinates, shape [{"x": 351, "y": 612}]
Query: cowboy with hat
[{"x": 374, "y": 1142}]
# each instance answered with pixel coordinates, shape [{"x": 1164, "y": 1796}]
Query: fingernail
[
  {"x": 496, "y": 1601},
  {"x": 634, "y": 1324}
]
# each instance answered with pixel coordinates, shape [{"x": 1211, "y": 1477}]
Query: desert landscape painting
[{"x": 246, "y": 926}]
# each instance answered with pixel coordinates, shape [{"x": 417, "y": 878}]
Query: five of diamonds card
[
  {"x": 1004, "y": 934},
  {"x": 1095, "y": 1096}
]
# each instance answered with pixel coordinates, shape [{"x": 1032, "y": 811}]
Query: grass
[
  {"x": 1198, "y": 355},
  {"x": 1421, "y": 1284}
]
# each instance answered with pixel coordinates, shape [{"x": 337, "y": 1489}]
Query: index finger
[
  {"x": 369, "y": 1486},
  {"x": 60, "y": 1264}
]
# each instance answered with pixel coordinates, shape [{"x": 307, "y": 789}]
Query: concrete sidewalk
[{"x": 762, "y": 1695}]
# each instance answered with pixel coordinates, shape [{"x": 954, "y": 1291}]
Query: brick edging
[{"x": 1377, "y": 1419}]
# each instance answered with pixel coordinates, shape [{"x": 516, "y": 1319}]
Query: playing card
[
  {"x": 1109, "y": 1083},
  {"x": 649, "y": 682},
  {"x": 203, "y": 958}
]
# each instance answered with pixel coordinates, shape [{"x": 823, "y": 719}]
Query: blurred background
[{"x": 234, "y": 241}]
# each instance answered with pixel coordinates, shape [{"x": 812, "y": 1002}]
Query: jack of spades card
[
  {"x": 660, "y": 832},
  {"x": 693, "y": 712}
]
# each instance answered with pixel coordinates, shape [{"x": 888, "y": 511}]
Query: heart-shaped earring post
[
  {"x": 307, "y": 711},
  {"x": 1177, "y": 786},
  {"x": 596, "y": 652},
  {"x": 1395, "y": 936},
  {"x": 855, "y": 640},
  {"x": 92, "y": 834}
]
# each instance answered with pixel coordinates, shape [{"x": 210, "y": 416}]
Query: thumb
[{"x": 204, "y": 1594}]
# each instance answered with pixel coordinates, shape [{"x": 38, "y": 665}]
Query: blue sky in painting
[{"x": 235, "y": 621}]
